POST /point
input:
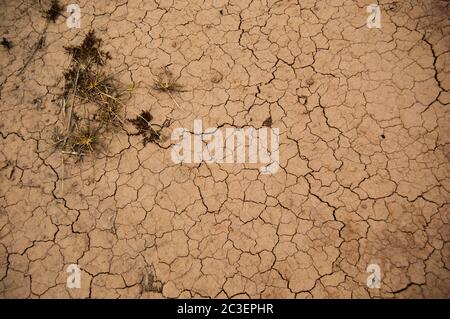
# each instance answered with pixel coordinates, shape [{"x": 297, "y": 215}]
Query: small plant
[
  {"x": 6, "y": 43},
  {"x": 85, "y": 139},
  {"x": 54, "y": 11},
  {"x": 142, "y": 123},
  {"x": 59, "y": 139},
  {"x": 108, "y": 114},
  {"x": 87, "y": 83},
  {"x": 89, "y": 52},
  {"x": 90, "y": 84},
  {"x": 82, "y": 139},
  {"x": 165, "y": 82},
  {"x": 86, "y": 80}
]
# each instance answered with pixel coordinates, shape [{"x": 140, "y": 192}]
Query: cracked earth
[{"x": 364, "y": 153}]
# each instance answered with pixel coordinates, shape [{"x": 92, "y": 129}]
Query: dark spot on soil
[
  {"x": 54, "y": 12},
  {"x": 89, "y": 51},
  {"x": 6, "y": 43},
  {"x": 142, "y": 124},
  {"x": 303, "y": 99},
  {"x": 267, "y": 122}
]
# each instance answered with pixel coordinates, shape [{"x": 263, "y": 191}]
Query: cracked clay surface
[{"x": 364, "y": 153}]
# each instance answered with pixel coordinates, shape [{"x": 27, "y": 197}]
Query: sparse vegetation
[
  {"x": 90, "y": 84},
  {"x": 89, "y": 52},
  {"x": 86, "y": 80},
  {"x": 85, "y": 139},
  {"x": 166, "y": 82},
  {"x": 87, "y": 83}
]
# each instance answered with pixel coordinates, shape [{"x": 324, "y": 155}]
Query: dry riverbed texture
[{"x": 364, "y": 150}]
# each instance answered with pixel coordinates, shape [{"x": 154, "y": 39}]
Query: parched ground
[{"x": 365, "y": 132}]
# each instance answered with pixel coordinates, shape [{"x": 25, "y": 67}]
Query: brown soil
[{"x": 365, "y": 145}]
